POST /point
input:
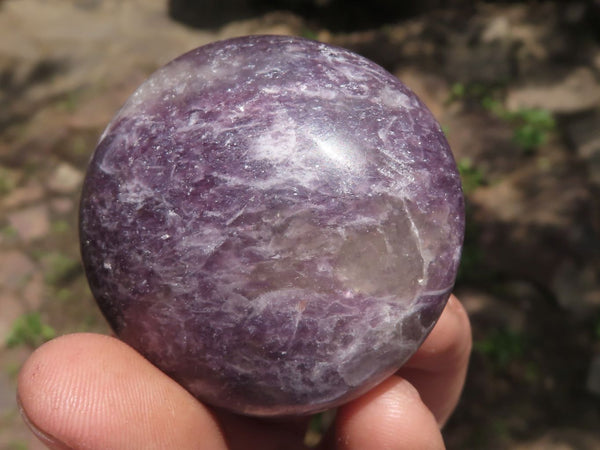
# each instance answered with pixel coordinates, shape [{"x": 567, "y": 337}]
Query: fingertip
[
  {"x": 391, "y": 416},
  {"x": 450, "y": 339},
  {"x": 42, "y": 385},
  {"x": 93, "y": 391},
  {"x": 438, "y": 369}
]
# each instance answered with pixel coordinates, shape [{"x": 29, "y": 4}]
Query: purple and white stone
[{"x": 275, "y": 223}]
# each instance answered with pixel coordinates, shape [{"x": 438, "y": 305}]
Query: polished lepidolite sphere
[{"x": 274, "y": 222}]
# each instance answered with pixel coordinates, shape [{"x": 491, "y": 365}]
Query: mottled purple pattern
[{"x": 274, "y": 222}]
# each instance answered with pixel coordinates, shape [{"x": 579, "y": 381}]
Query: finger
[
  {"x": 390, "y": 416},
  {"x": 439, "y": 367},
  {"x": 95, "y": 392}
]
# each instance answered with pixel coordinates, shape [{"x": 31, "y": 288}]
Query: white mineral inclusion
[{"x": 275, "y": 223}]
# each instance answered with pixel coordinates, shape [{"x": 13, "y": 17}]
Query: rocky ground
[{"x": 517, "y": 90}]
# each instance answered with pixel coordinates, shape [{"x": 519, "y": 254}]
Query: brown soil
[{"x": 515, "y": 86}]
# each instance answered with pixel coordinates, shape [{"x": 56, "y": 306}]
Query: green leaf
[{"x": 29, "y": 330}]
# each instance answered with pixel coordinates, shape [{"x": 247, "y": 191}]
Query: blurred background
[{"x": 516, "y": 87}]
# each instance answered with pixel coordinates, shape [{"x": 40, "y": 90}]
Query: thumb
[{"x": 95, "y": 392}]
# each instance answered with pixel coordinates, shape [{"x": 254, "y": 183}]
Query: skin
[{"x": 87, "y": 391}]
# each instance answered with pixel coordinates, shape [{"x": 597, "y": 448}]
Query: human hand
[{"x": 87, "y": 391}]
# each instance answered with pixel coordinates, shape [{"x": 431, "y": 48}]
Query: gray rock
[
  {"x": 562, "y": 439},
  {"x": 17, "y": 268},
  {"x": 23, "y": 195},
  {"x": 578, "y": 91},
  {"x": 31, "y": 223},
  {"x": 65, "y": 179},
  {"x": 62, "y": 205},
  {"x": 584, "y": 134}
]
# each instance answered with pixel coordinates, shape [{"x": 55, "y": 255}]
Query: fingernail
[{"x": 48, "y": 440}]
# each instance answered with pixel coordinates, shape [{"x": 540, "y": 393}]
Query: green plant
[
  {"x": 8, "y": 231},
  {"x": 60, "y": 226},
  {"x": 309, "y": 34},
  {"x": 29, "y": 330},
  {"x": 17, "y": 445},
  {"x": 64, "y": 294},
  {"x": 472, "y": 177},
  {"x": 597, "y": 329},
  {"x": 472, "y": 258},
  {"x": 501, "y": 347},
  {"x": 474, "y": 92},
  {"x": 69, "y": 102},
  {"x": 531, "y": 126},
  {"x": 457, "y": 92},
  {"x": 60, "y": 268},
  {"x": 317, "y": 427},
  {"x": 314, "y": 431},
  {"x": 12, "y": 369},
  {"x": 531, "y": 373},
  {"x": 500, "y": 429},
  {"x": 7, "y": 181},
  {"x": 79, "y": 146}
]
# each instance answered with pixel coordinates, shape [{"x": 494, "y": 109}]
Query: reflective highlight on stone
[{"x": 274, "y": 222}]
